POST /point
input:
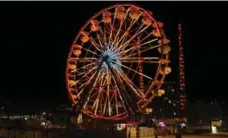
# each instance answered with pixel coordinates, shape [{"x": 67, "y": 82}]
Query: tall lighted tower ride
[{"x": 181, "y": 72}]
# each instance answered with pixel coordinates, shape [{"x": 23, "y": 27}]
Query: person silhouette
[{"x": 178, "y": 133}]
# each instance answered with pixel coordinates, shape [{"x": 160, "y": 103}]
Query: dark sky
[{"x": 36, "y": 36}]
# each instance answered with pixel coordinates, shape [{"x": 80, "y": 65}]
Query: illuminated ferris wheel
[{"x": 117, "y": 62}]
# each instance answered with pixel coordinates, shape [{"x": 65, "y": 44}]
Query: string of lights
[{"x": 181, "y": 69}]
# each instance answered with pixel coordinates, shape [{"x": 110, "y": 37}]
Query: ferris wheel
[{"x": 117, "y": 62}]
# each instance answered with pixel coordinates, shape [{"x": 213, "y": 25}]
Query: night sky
[{"x": 36, "y": 37}]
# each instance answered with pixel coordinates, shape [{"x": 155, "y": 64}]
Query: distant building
[{"x": 167, "y": 106}]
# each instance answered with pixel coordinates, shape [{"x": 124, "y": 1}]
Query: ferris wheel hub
[{"x": 111, "y": 57}]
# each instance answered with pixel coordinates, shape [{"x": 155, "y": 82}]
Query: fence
[{"x": 143, "y": 132}]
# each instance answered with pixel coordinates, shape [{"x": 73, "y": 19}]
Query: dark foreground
[
  {"x": 58, "y": 133},
  {"x": 201, "y": 136},
  {"x": 79, "y": 133}
]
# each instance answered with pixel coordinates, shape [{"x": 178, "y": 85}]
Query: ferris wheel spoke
[
  {"x": 108, "y": 79},
  {"x": 105, "y": 103},
  {"x": 101, "y": 79},
  {"x": 88, "y": 81},
  {"x": 109, "y": 102},
  {"x": 90, "y": 51},
  {"x": 107, "y": 30},
  {"x": 104, "y": 35},
  {"x": 121, "y": 40},
  {"x": 116, "y": 35},
  {"x": 80, "y": 92},
  {"x": 96, "y": 102},
  {"x": 82, "y": 87},
  {"x": 101, "y": 104},
  {"x": 109, "y": 108},
  {"x": 94, "y": 93},
  {"x": 84, "y": 67},
  {"x": 144, "y": 50},
  {"x": 133, "y": 70},
  {"x": 131, "y": 84},
  {"x": 112, "y": 26},
  {"x": 116, "y": 100},
  {"x": 141, "y": 59},
  {"x": 136, "y": 29},
  {"x": 86, "y": 59},
  {"x": 121, "y": 43},
  {"x": 93, "y": 86},
  {"x": 88, "y": 98},
  {"x": 101, "y": 40},
  {"x": 121, "y": 24},
  {"x": 91, "y": 94},
  {"x": 85, "y": 74},
  {"x": 111, "y": 30},
  {"x": 120, "y": 96},
  {"x": 139, "y": 45},
  {"x": 96, "y": 80},
  {"x": 130, "y": 26},
  {"x": 95, "y": 44},
  {"x": 112, "y": 97},
  {"x": 111, "y": 93},
  {"x": 130, "y": 64},
  {"x": 135, "y": 35},
  {"x": 104, "y": 82},
  {"x": 85, "y": 79},
  {"x": 144, "y": 38}
]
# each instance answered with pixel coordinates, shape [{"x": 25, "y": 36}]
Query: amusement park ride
[
  {"x": 118, "y": 50},
  {"x": 181, "y": 72}
]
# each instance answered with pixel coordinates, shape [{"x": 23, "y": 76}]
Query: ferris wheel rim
[{"x": 78, "y": 35}]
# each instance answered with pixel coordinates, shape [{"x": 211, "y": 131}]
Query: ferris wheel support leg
[{"x": 123, "y": 93}]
